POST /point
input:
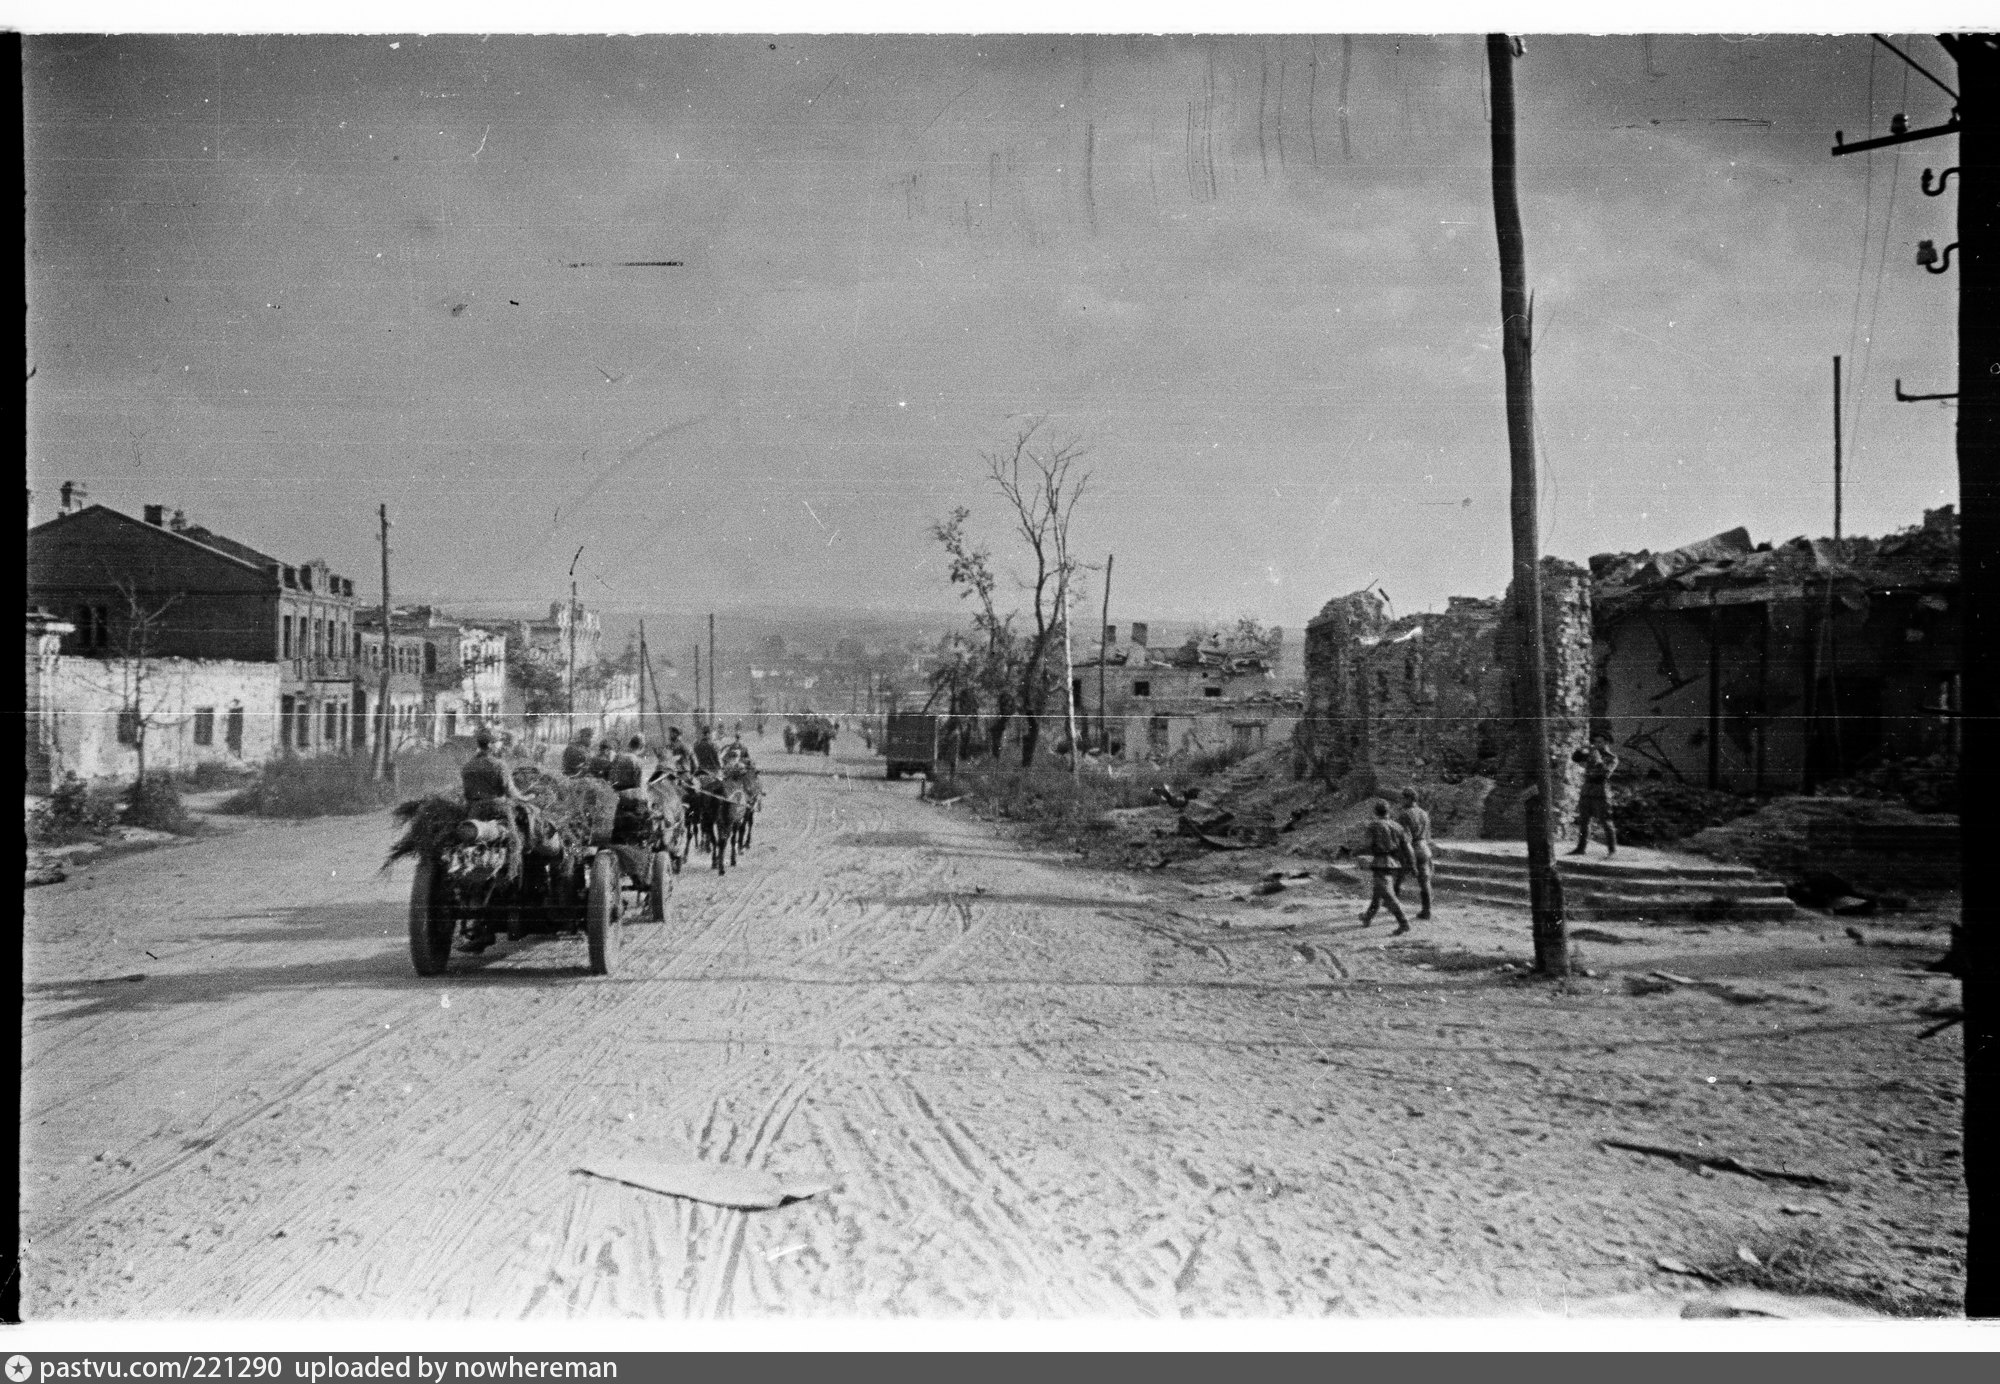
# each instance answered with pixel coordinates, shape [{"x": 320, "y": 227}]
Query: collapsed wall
[{"x": 1427, "y": 699}]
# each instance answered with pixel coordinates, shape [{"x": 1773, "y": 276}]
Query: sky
[{"x": 738, "y": 315}]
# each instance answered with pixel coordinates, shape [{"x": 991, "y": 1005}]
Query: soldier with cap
[
  {"x": 489, "y": 793},
  {"x": 677, "y": 757},
  {"x": 1417, "y": 822},
  {"x": 706, "y": 758},
  {"x": 1387, "y": 847},
  {"x": 576, "y": 754},
  {"x": 485, "y": 778},
  {"x": 1599, "y": 762}
]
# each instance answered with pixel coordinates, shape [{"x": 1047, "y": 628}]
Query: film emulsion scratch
[{"x": 585, "y": 757}]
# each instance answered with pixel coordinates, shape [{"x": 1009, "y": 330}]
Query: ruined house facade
[
  {"x": 1426, "y": 698},
  {"x": 1762, "y": 669},
  {"x": 1748, "y": 668},
  {"x": 1198, "y": 697}
]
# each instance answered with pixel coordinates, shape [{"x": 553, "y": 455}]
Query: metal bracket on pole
[
  {"x": 1903, "y": 398},
  {"x": 1943, "y": 180},
  {"x": 1841, "y": 146}
]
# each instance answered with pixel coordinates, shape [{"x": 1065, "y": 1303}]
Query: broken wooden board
[{"x": 744, "y": 1189}]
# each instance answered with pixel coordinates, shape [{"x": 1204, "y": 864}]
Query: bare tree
[
  {"x": 1038, "y": 477},
  {"x": 130, "y": 675}
]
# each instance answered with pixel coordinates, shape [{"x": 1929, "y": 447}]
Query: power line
[
  {"x": 1914, "y": 63},
  {"x": 1874, "y": 310}
]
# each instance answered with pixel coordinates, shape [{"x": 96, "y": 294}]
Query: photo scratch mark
[{"x": 482, "y": 143}]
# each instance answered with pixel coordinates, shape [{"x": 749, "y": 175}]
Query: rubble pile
[
  {"x": 1928, "y": 784},
  {"x": 1876, "y": 843},
  {"x": 1664, "y": 811}
]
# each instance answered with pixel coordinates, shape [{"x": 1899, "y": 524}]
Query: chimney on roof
[
  {"x": 156, "y": 515},
  {"x": 1139, "y": 633},
  {"x": 179, "y": 523}
]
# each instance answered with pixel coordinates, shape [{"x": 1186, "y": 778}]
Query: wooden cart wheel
[
  {"x": 660, "y": 887},
  {"x": 602, "y": 914},
  {"x": 430, "y": 920}
]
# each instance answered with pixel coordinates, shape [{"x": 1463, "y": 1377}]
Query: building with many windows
[{"x": 162, "y": 588}]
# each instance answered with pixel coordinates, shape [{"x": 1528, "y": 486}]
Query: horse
[
  {"x": 746, "y": 778},
  {"x": 676, "y": 820},
  {"x": 722, "y": 804}
]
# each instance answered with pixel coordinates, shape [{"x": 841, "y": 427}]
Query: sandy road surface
[{"x": 1036, "y": 1090}]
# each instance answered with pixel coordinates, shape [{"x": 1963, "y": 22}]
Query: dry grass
[
  {"x": 1810, "y": 1262},
  {"x": 336, "y": 785}
]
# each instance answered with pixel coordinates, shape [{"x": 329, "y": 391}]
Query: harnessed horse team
[{"x": 707, "y": 800}]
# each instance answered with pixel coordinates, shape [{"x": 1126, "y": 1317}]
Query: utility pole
[
  {"x": 1530, "y": 684},
  {"x": 569, "y": 680},
  {"x": 1975, "y": 118},
  {"x": 713, "y": 707},
  {"x": 1836, "y": 453},
  {"x": 642, "y": 675},
  {"x": 388, "y": 647},
  {"x": 697, "y": 687},
  {"x": 1978, "y": 58},
  {"x": 1104, "y": 653}
]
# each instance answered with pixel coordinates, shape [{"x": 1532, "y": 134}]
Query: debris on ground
[
  {"x": 1664, "y": 811},
  {"x": 743, "y": 1189},
  {"x": 1694, "y": 1162},
  {"x": 1755, "y": 1302},
  {"x": 1675, "y": 1266}
]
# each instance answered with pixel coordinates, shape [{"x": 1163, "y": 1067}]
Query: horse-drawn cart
[{"x": 570, "y": 857}]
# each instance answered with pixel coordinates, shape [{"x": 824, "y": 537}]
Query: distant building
[{"x": 1204, "y": 695}]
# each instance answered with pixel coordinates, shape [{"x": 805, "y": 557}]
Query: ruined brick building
[
  {"x": 1750, "y": 668},
  {"x": 1426, "y": 698}
]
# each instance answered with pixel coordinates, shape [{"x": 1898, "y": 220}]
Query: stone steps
[{"x": 1650, "y": 887}]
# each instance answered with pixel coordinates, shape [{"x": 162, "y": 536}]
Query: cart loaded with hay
[{"x": 570, "y": 856}]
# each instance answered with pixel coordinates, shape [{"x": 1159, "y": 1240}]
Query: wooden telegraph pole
[
  {"x": 1104, "y": 652},
  {"x": 713, "y": 708},
  {"x": 569, "y": 680},
  {"x": 1978, "y": 116},
  {"x": 642, "y": 676},
  {"x": 382, "y": 722},
  {"x": 1975, "y": 119},
  {"x": 1530, "y": 683},
  {"x": 1836, "y": 453}
]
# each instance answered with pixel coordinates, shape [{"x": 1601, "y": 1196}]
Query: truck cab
[{"x": 910, "y": 743}]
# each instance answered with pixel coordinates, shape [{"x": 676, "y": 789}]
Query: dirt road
[{"x": 1036, "y": 1090}]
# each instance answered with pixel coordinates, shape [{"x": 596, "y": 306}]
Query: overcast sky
[{"x": 277, "y": 281}]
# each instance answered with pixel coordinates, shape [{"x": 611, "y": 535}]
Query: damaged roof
[{"x": 1921, "y": 558}]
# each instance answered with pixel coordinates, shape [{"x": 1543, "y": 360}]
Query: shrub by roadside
[
  {"x": 336, "y": 785},
  {"x": 74, "y": 812},
  {"x": 1049, "y": 802},
  {"x": 156, "y": 805}
]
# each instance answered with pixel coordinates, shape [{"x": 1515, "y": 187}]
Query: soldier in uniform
[
  {"x": 1417, "y": 822},
  {"x": 1388, "y": 847},
  {"x": 628, "y": 770},
  {"x": 485, "y": 779},
  {"x": 489, "y": 793},
  {"x": 601, "y": 763},
  {"x": 1599, "y": 762},
  {"x": 736, "y": 753},
  {"x": 576, "y": 754},
  {"x": 677, "y": 757},
  {"x": 706, "y": 758}
]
